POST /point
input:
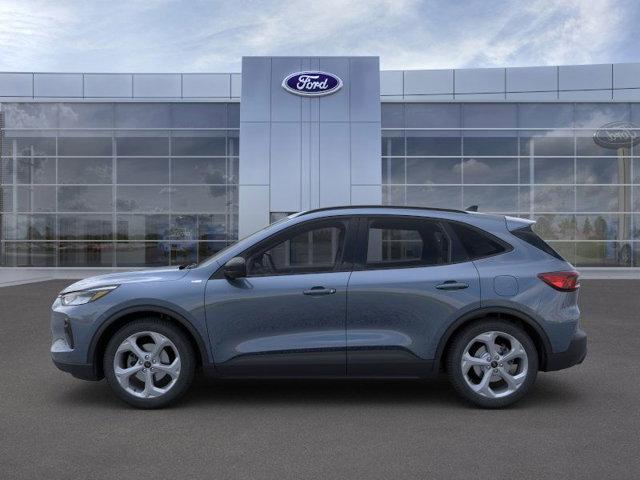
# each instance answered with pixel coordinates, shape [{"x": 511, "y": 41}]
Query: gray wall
[
  {"x": 298, "y": 153},
  {"x": 573, "y": 83}
]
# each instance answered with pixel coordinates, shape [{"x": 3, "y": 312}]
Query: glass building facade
[
  {"x": 138, "y": 170},
  {"x": 117, "y": 184},
  {"x": 533, "y": 160}
]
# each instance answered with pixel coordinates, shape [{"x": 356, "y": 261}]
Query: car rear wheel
[
  {"x": 492, "y": 363},
  {"x": 149, "y": 363}
]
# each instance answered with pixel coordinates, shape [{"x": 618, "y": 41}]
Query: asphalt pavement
[{"x": 579, "y": 423}]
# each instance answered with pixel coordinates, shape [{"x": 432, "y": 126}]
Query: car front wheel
[
  {"x": 492, "y": 363},
  {"x": 149, "y": 363}
]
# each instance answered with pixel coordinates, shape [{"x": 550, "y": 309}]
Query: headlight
[{"x": 85, "y": 296}]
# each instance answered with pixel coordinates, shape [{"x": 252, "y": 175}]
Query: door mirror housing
[{"x": 235, "y": 268}]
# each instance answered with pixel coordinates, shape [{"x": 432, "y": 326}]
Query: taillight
[{"x": 563, "y": 281}]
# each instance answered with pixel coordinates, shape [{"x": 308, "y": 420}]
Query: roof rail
[{"x": 345, "y": 207}]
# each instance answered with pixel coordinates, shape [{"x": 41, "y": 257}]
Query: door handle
[
  {"x": 318, "y": 291},
  {"x": 452, "y": 285}
]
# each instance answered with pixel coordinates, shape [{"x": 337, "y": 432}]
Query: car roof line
[{"x": 396, "y": 207}]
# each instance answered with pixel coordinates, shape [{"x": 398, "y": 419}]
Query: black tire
[
  {"x": 181, "y": 343},
  {"x": 456, "y": 351}
]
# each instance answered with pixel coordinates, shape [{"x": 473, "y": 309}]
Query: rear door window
[{"x": 406, "y": 242}]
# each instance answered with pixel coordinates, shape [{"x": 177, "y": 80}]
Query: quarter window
[
  {"x": 316, "y": 249},
  {"x": 398, "y": 243},
  {"x": 475, "y": 243}
]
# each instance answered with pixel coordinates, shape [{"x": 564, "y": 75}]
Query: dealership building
[{"x": 107, "y": 170}]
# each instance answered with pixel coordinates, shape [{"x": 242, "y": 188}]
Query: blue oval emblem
[
  {"x": 616, "y": 135},
  {"x": 312, "y": 84}
]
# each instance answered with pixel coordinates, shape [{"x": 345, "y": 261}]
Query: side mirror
[{"x": 235, "y": 268}]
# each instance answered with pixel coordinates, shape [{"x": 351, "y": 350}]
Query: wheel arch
[
  {"x": 116, "y": 321},
  {"x": 531, "y": 327}
]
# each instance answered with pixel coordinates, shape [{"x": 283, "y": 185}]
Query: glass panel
[
  {"x": 142, "y": 146},
  {"x": 233, "y": 111},
  {"x": 6, "y": 171},
  {"x": 233, "y": 143},
  {"x": 37, "y": 199},
  {"x": 553, "y": 170},
  {"x": 603, "y": 227},
  {"x": 142, "y": 227},
  {"x": 555, "y": 227},
  {"x": 34, "y": 227},
  {"x": 233, "y": 170},
  {"x": 85, "y": 227},
  {"x": 142, "y": 170},
  {"x": 90, "y": 146},
  {"x": 432, "y": 115},
  {"x": 36, "y": 170},
  {"x": 392, "y": 115},
  {"x": 78, "y": 254},
  {"x": 491, "y": 144},
  {"x": 438, "y": 197},
  {"x": 142, "y": 115},
  {"x": 6, "y": 199},
  {"x": 199, "y": 115},
  {"x": 183, "y": 227},
  {"x": 392, "y": 143},
  {"x": 434, "y": 170},
  {"x": 603, "y": 254},
  {"x": 199, "y": 199},
  {"x": 393, "y": 170},
  {"x": 490, "y": 170},
  {"x": 636, "y": 172},
  {"x": 85, "y": 170},
  {"x": 598, "y": 114},
  {"x": 207, "y": 143},
  {"x": 29, "y": 146},
  {"x": 393, "y": 195},
  {"x": 212, "y": 227},
  {"x": 141, "y": 254},
  {"x": 599, "y": 199},
  {"x": 207, "y": 249},
  {"x": 183, "y": 253},
  {"x": 433, "y": 143},
  {"x": 488, "y": 115},
  {"x": 545, "y": 115},
  {"x": 554, "y": 199},
  {"x": 567, "y": 250},
  {"x": 86, "y": 115},
  {"x": 143, "y": 199},
  {"x": 492, "y": 199},
  {"x": 40, "y": 254},
  {"x": 603, "y": 170},
  {"x": 543, "y": 144},
  {"x": 199, "y": 170},
  {"x": 30, "y": 115},
  {"x": 85, "y": 199}
]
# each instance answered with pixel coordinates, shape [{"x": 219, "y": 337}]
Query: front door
[
  {"x": 287, "y": 317},
  {"x": 408, "y": 286}
]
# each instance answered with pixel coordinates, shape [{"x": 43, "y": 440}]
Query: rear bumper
[{"x": 573, "y": 355}]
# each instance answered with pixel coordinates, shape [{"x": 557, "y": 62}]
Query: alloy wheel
[
  {"x": 494, "y": 364},
  {"x": 147, "y": 364}
]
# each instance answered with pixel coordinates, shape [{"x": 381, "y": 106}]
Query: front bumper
[
  {"x": 573, "y": 355},
  {"x": 81, "y": 371}
]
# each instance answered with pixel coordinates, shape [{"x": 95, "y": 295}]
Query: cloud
[{"x": 174, "y": 36}]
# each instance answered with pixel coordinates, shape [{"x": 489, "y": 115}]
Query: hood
[{"x": 159, "y": 275}]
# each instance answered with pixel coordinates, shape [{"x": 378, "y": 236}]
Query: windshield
[{"x": 247, "y": 241}]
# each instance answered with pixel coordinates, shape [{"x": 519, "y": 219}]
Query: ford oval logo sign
[
  {"x": 617, "y": 135},
  {"x": 312, "y": 84}
]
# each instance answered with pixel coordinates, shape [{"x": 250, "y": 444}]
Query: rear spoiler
[{"x": 514, "y": 223}]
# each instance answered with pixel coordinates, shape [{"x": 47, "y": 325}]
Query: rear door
[{"x": 410, "y": 282}]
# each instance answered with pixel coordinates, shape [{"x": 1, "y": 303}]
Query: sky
[{"x": 212, "y": 36}]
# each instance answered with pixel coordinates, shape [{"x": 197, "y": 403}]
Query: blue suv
[{"x": 355, "y": 292}]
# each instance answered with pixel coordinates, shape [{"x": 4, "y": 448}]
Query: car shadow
[{"x": 206, "y": 391}]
